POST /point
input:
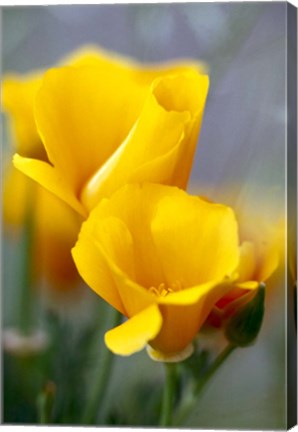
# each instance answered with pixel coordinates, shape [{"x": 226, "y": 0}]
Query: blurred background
[{"x": 240, "y": 161}]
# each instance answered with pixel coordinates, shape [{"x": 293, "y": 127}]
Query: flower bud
[{"x": 243, "y": 327}]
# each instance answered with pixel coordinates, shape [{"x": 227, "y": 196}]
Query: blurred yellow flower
[
  {"x": 55, "y": 224},
  {"x": 163, "y": 259},
  {"x": 105, "y": 122},
  {"x": 260, "y": 254},
  {"x": 55, "y": 229}
]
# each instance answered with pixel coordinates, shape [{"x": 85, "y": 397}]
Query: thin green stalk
[
  {"x": 215, "y": 365},
  {"x": 168, "y": 395},
  {"x": 25, "y": 314},
  {"x": 45, "y": 403},
  {"x": 189, "y": 405},
  {"x": 100, "y": 385}
]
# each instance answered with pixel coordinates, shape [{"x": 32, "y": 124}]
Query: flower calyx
[{"x": 243, "y": 328}]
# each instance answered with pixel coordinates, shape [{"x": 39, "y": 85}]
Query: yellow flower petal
[
  {"x": 259, "y": 258},
  {"x": 110, "y": 240},
  {"x": 134, "y": 297},
  {"x": 48, "y": 177},
  {"x": 190, "y": 296},
  {"x": 155, "y": 124},
  {"x": 18, "y": 96},
  {"x": 135, "y": 205},
  {"x": 197, "y": 255},
  {"x": 19, "y": 91},
  {"x": 247, "y": 263},
  {"x": 182, "y": 321},
  {"x": 269, "y": 258},
  {"x": 134, "y": 334},
  {"x": 169, "y": 117},
  {"x": 190, "y": 96},
  {"x": 76, "y": 110},
  {"x": 93, "y": 268},
  {"x": 55, "y": 232}
]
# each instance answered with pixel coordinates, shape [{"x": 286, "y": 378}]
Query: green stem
[
  {"x": 216, "y": 364},
  {"x": 25, "y": 315},
  {"x": 168, "y": 395},
  {"x": 100, "y": 385},
  {"x": 45, "y": 403},
  {"x": 189, "y": 405}
]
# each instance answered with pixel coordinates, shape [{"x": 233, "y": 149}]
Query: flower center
[{"x": 163, "y": 290}]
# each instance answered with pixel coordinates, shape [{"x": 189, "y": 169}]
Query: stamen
[{"x": 162, "y": 290}]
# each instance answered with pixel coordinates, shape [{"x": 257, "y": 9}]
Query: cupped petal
[
  {"x": 173, "y": 233},
  {"x": 155, "y": 125},
  {"x": 105, "y": 257},
  {"x": 190, "y": 94},
  {"x": 163, "y": 138},
  {"x": 196, "y": 241},
  {"x": 113, "y": 245},
  {"x": 134, "y": 205},
  {"x": 76, "y": 109},
  {"x": 19, "y": 91},
  {"x": 135, "y": 333},
  {"x": 123, "y": 230},
  {"x": 93, "y": 268},
  {"x": 158, "y": 170}
]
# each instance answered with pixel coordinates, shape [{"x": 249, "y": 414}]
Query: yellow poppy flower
[
  {"x": 19, "y": 92},
  {"x": 163, "y": 259},
  {"x": 107, "y": 122}
]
